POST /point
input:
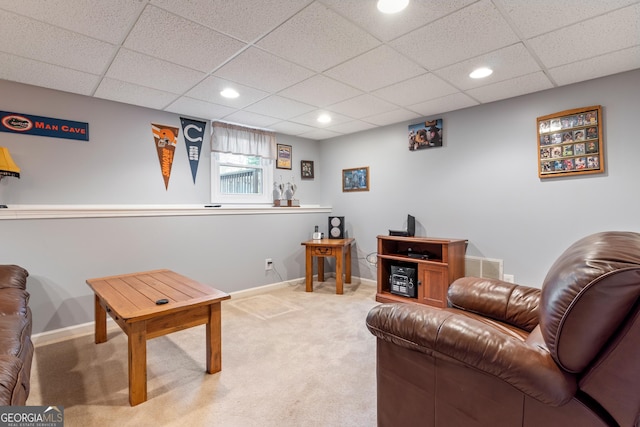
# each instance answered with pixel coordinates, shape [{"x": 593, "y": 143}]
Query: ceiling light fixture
[
  {"x": 481, "y": 73},
  {"x": 230, "y": 93},
  {"x": 324, "y": 118},
  {"x": 392, "y": 6}
]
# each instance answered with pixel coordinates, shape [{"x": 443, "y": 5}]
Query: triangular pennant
[
  {"x": 165, "y": 138},
  {"x": 193, "y": 134}
]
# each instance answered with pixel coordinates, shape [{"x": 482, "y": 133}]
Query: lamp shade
[{"x": 7, "y": 166}]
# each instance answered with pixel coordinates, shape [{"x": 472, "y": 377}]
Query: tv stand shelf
[{"x": 438, "y": 262}]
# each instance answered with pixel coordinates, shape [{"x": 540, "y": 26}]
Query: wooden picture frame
[
  {"x": 570, "y": 143},
  {"x": 283, "y": 161},
  {"x": 356, "y": 179},
  {"x": 306, "y": 169}
]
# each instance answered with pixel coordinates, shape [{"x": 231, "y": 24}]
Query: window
[
  {"x": 239, "y": 178},
  {"x": 242, "y": 162}
]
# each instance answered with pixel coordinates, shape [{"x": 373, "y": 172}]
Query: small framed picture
[
  {"x": 306, "y": 169},
  {"x": 356, "y": 179},
  {"x": 284, "y": 157}
]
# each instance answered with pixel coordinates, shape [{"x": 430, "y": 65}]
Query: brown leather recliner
[
  {"x": 502, "y": 354},
  {"x": 16, "y": 348}
]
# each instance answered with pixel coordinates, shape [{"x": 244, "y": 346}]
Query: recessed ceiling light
[
  {"x": 230, "y": 93},
  {"x": 324, "y": 118},
  {"x": 481, "y": 73},
  {"x": 392, "y": 6}
]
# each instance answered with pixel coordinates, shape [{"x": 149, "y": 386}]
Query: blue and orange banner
[
  {"x": 165, "y": 139},
  {"x": 43, "y": 126},
  {"x": 193, "y": 134}
]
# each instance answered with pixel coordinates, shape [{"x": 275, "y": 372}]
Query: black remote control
[{"x": 162, "y": 301}]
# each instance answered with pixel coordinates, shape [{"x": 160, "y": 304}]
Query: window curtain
[{"x": 228, "y": 138}]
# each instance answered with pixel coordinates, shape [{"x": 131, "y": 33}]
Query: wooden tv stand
[{"x": 434, "y": 274}]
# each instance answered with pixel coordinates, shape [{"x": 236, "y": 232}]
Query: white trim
[
  {"x": 112, "y": 211},
  {"x": 76, "y": 331}
]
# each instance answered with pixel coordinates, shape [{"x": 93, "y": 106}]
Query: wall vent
[{"x": 487, "y": 268}]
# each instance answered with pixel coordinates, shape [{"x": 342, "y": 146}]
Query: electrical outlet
[{"x": 268, "y": 264}]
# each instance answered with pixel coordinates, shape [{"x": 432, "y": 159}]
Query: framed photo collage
[{"x": 570, "y": 143}]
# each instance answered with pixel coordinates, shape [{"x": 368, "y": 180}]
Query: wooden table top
[
  {"x": 329, "y": 242},
  {"x": 133, "y": 296}
]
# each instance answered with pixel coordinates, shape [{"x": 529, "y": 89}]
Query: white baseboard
[{"x": 75, "y": 331}]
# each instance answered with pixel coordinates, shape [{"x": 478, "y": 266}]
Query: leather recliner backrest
[{"x": 587, "y": 294}]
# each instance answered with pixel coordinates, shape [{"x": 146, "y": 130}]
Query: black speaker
[{"x": 336, "y": 227}]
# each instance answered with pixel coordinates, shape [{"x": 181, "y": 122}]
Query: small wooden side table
[
  {"x": 339, "y": 249},
  {"x": 130, "y": 299}
]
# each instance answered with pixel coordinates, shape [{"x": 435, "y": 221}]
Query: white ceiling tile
[
  {"x": 455, "y": 101},
  {"x": 395, "y": 116},
  {"x": 23, "y": 70},
  {"x": 319, "y": 134},
  {"x": 209, "y": 90},
  {"x": 506, "y": 63},
  {"x": 311, "y": 119},
  {"x": 613, "y": 31},
  {"x": 290, "y": 128},
  {"x": 389, "y": 26},
  {"x": 384, "y": 66},
  {"x": 24, "y": 37},
  {"x": 197, "y": 108},
  {"x": 181, "y": 41},
  {"x": 243, "y": 19},
  {"x": 260, "y": 69},
  {"x": 251, "y": 119},
  {"x": 324, "y": 30},
  {"x": 109, "y": 21},
  {"x": 279, "y": 107},
  {"x": 469, "y": 32},
  {"x": 604, "y": 65},
  {"x": 537, "y": 17},
  {"x": 417, "y": 89},
  {"x": 351, "y": 127},
  {"x": 130, "y": 93},
  {"x": 509, "y": 88},
  {"x": 362, "y": 106},
  {"x": 134, "y": 67},
  {"x": 320, "y": 91}
]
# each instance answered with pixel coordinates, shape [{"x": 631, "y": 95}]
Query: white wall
[
  {"x": 483, "y": 184},
  {"x": 119, "y": 165}
]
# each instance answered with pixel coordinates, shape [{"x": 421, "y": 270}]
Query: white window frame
[{"x": 255, "y": 199}]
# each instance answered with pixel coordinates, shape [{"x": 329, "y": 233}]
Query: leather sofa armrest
[
  {"x": 445, "y": 334},
  {"x": 13, "y": 276},
  {"x": 507, "y": 302}
]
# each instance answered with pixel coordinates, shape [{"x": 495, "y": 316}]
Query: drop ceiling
[{"x": 292, "y": 60}]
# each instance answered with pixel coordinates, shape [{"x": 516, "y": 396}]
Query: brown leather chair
[{"x": 502, "y": 354}]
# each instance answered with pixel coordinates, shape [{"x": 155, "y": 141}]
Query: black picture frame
[{"x": 306, "y": 169}]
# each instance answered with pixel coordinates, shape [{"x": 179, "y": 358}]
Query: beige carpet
[{"x": 289, "y": 358}]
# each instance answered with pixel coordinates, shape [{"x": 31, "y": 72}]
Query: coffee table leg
[
  {"x": 100, "y": 322},
  {"x": 137, "y": 363},
  {"x": 214, "y": 339}
]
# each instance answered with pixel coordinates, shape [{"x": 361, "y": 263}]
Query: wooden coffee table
[{"x": 130, "y": 299}]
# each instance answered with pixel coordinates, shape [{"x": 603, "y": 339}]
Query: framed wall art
[
  {"x": 425, "y": 135},
  {"x": 284, "y": 156},
  {"x": 570, "y": 143},
  {"x": 306, "y": 169},
  {"x": 356, "y": 179}
]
